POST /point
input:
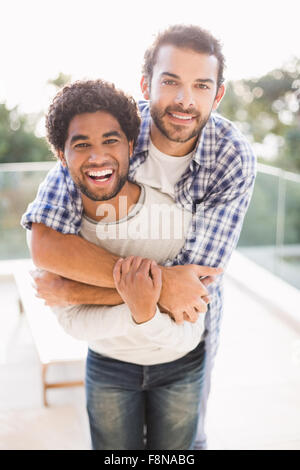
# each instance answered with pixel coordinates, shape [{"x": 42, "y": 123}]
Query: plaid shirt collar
[{"x": 204, "y": 151}]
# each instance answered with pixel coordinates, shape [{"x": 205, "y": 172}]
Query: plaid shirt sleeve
[
  {"x": 57, "y": 204},
  {"x": 218, "y": 215},
  {"x": 219, "y": 197}
]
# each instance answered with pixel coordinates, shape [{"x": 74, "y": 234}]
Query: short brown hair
[
  {"x": 186, "y": 37},
  {"x": 90, "y": 96}
]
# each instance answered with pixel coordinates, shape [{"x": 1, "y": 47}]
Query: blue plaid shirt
[{"x": 216, "y": 188}]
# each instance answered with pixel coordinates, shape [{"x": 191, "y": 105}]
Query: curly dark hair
[
  {"x": 188, "y": 37},
  {"x": 88, "y": 97}
]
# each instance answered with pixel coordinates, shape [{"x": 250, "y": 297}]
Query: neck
[
  {"x": 169, "y": 147},
  {"x": 115, "y": 208}
]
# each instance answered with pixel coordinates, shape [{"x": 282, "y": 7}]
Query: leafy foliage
[
  {"x": 267, "y": 109},
  {"x": 18, "y": 142},
  {"x": 60, "y": 81}
]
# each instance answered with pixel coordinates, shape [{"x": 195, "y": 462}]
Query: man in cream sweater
[{"x": 143, "y": 369}]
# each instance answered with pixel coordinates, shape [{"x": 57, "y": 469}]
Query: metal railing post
[{"x": 280, "y": 221}]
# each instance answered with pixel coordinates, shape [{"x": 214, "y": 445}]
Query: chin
[{"x": 181, "y": 136}]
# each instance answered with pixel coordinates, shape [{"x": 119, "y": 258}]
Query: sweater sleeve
[
  {"x": 95, "y": 322},
  {"x": 164, "y": 332}
]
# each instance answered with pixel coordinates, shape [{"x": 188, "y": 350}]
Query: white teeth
[
  {"x": 185, "y": 118},
  {"x": 98, "y": 174}
]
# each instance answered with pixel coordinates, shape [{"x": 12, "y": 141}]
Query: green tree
[
  {"x": 60, "y": 81},
  {"x": 267, "y": 109},
  {"x": 18, "y": 142}
]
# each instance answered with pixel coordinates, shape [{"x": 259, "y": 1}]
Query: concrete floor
[{"x": 255, "y": 395}]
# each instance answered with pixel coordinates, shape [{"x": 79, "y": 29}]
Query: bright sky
[{"x": 107, "y": 39}]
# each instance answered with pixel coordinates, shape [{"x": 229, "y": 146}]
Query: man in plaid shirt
[{"x": 185, "y": 150}]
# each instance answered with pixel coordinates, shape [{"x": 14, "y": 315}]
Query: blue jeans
[{"x": 133, "y": 407}]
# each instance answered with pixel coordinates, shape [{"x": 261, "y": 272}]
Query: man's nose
[
  {"x": 96, "y": 154},
  {"x": 185, "y": 97}
]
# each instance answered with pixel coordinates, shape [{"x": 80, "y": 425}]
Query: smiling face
[
  {"x": 183, "y": 92},
  {"x": 97, "y": 155}
]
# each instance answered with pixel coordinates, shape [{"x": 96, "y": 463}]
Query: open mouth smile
[
  {"x": 181, "y": 118},
  {"x": 100, "y": 177}
]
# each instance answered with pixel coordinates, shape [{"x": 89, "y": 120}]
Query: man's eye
[
  {"x": 110, "y": 141},
  {"x": 169, "y": 82},
  {"x": 81, "y": 145},
  {"x": 202, "y": 86}
]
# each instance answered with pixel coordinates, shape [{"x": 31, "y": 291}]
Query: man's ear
[
  {"x": 219, "y": 96},
  {"x": 61, "y": 156},
  {"x": 145, "y": 88},
  {"x": 130, "y": 145}
]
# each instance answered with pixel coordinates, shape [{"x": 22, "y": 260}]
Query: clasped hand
[{"x": 177, "y": 290}]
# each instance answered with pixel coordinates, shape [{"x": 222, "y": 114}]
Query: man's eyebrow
[
  {"x": 205, "y": 80},
  {"x": 111, "y": 134},
  {"x": 199, "y": 80},
  {"x": 78, "y": 137},
  {"x": 173, "y": 75}
]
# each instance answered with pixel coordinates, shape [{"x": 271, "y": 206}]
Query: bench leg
[
  {"x": 46, "y": 385},
  {"x": 21, "y": 308},
  {"x": 44, "y": 382}
]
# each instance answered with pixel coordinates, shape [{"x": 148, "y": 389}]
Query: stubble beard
[
  {"x": 105, "y": 197},
  {"x": 174, "y": 135},
  {"x": 121, "y": 180}
]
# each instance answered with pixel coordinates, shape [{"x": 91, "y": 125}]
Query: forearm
[
  {"x": 72, "y": 257},
  {"x": 78, "y": 293}
]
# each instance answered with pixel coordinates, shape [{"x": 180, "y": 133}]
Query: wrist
[
  {"x": 143, "y": 317},
  {"x": 165, "y": 270},
  {"x": 69, "y": 290},
  {"x": 165, "y": 275},
  {"x": 166, "y": 279}
]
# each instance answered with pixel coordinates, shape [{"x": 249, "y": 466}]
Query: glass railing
[
  {"x": 270, "y": 235},
  {"x": 18, "y": 186},
  {"x": 271, "y": 230}
]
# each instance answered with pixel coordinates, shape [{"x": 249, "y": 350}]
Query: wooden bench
[{"x": 53, "y": 345}]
